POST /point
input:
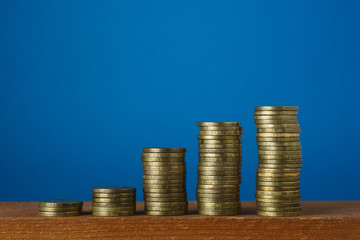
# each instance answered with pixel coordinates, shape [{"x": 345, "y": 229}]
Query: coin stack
[
  {"x": 164, "y": 181},
  {"x": 219, "y": 168},
  {"x": 280, "y": 161},
  {"x": 113, "y": 201},
  {"x": 60, "y": 208}
]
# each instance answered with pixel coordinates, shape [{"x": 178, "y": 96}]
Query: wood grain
[{"x": 320, "y": 220}]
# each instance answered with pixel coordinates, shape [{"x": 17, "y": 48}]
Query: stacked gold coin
[
  {"x": 164, "y": 181},
  {"x": 219, "y": 168},
  {"x": 113, "y": 201},
  {"x": 60, "y": 208},
  {"x": 280, "y": 161}
]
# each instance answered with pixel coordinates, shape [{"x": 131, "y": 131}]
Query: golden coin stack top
[
  {"x": 164, "y": 181},
  {"x": 112, "y": 201},
  {"x": 219, "y": 168},
  {"x": 280, "y": 161},
  {"x": 60, "y": 208}
]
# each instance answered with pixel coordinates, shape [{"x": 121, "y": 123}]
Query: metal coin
[
  {"x": 60, "y": 209},
  {"x": 277, "y": 108},
  {"x": 218, "y": 137},
  {"x": 219, "y": 173},
  {"x": 277, "y": 205},
  {"x": 111, "y": 205},
  {"x": 218, "y": 191},
  {"x": 220, "y": 141},
  {"x": 278, "y": 200},
  {"x": 214, "y": 186},
  {"x": 162, "y": 155},
  {"x": 280, "y": 166},
  {"x": 280, "y": 161},
  {"x": 277, "y": 126},
  {"x": 221, "y": 128},
  {"x": 277, "y": 188},
  {"x": 218, "y": 164},
  {"x": 222, "y": 133},
  {"x": 164, "y": 199},
  {"x": 281, "y": 209},
  {"x": 163, "y": 159},
  {"x": 112, "y": 214},
  {"x": 164, "y": 150},
  {"x": 208, "y": 124},
  {"x": 165, "y": 213},
  {"x": 112, "y": 200},
  {"x": 219, "y": 146},
  {"x": 277, "y": 179},
  {"x": 166, "y": 204},
  {"x": 164, "y": 164},
  {"x": 157, "y": 182},
  {"x": 60, "y": 203},
  {"x": 209, "y": 182},
  {"x": 223, "y": 150},
  {"x": 164, "y": 186},
  {"x": 278, "y": 170},
  {"x": 259, "y": 182},
  {"x": 58, "y": 214},
  {"x": 278, "y": 130},
  {"x": 162, "y": 190},
  {"x": 278, "y": 135},
  {"x": 278, "y": 214},
  {"x": 221, "y": 168},
  {"x": 276, "y": 121},
  {"x": 165, "y": 209},
  {"x": 114, "y": 195},
  {"x": 164, "y": 177},
  {"x": 279, "y": 144},
  {"x": 167, "y": 195},
  {"x": 277, "y": 139},
  {"x": 114, "y": 189},
  {"x": 278, "y": 193},
  {"x": 278, "y": 175},
  {"x": 279, "y": 157},
  {"x": 267, "y": 148}
]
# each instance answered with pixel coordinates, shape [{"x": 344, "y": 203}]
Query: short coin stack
[
  {"x": 113, "y": 201},
  {"x": 280, "y": 161},
  {"x": 164, "y": 181},
  {"x": 60, "y": 208},
  {"x": 219, "y": 168}
]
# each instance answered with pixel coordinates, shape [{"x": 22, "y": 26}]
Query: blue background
[{"x": 85, "y": 85}]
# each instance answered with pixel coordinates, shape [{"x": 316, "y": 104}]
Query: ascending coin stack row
[
  {"x": 219, "y": 168},
  {"x": 280, "y": 161},
  {"x": 164, "y": 181},
  {"x": 60, "y": 208},
  {"x": 113, "y": 201}
]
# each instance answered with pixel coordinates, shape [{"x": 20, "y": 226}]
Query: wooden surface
[{"x": 320, "y": 220}]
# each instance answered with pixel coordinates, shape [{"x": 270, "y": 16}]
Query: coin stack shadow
[
  {"x": 280, "y": 161},
  {"x": 60, "y": 208},
  {"x": 219, "y": 168},
  {"x": 113, "y": 201},
  {"x": 164, "y": 181}
]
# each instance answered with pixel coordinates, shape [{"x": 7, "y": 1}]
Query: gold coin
[
  {"x": 277, "y": 179},
  {"x": 277, "y": 200},
  {"x": 216, "y": 213},
  {"x": 60, "y": 203},
  {"x": 164, "y": 186},
  {"x": 277, "y": 108},
  {"x": 276, "y": 121},
  {"x": 114, "y": 209},
  {"x": 224, "y": 133},
  {"x": 59, "y": 214},
  {"x": 164, "y": 177},
  {"x": 221, "y": 128},
  {"x": 167, "y": 199},
  {"x": 263, "y": 196},
  {"x": 113, "y": 189},
  {"x": 218, "y": 173},
  {"x": 112, "y": 214},
  {"x": 278, "y": 152},
  {"x": 60, "y": 209},
  {"x": 279, "y": 157},
  {"x": 228, "y": 150},
  {"x": 221, "y": 204},
  {"x": 164, "y": 150},
  {"x": 278, "y": 130},
  {"x": 165, "y": 213},
  {"x": 217, "y": 195},
  {"x": 114, "y": 195},
  {"x": 163, "y": 190},
  {"x": 276, "y": 113},
  {"x": 209, "y": 124},
  {"x": 236, "y": 141},
  {"x": 166, "y": 204},
  {"x": 217, "y": 146},
  {"x": 162, "y": 155},
  {"x": 219, "y": 178},
  {"x": 209, "y": 182},
  {"x": 163, "y": 159},
  {"x": 278, "y": 214},
  {"x": 279, "y": 209},
  {"x": 278, "y": 139},
  {"x": 277, "y": 183},
  {"x": 280, "y": 166},
  {"x": 214, "y": 186},
  {"x": 277, "y": 126},
  {"x": 164, "y": 164},
  {"x": 267, "y": 148},
  {"x": 279, "y": 170},
  {"x": 164, "y": 172},
  {"x": 219, "y": 164},
  {"x": 277, "y": 188},
  {"x": 167, "y": 195},
  {"x": 111, "y": 205},
  {"x": 218, "y": 191},
  {"x": 218, "y": 137},
  {"x": 111, "y": 200},
  {"x": 278, "y": 193},
  {"x": 221, "y": 168},
  {"x": 278, "y": 135},
  {"x": 275, "y": 117},
  {"x": 219, "y": 159},
  {"x": 165, "y": 209},
  {"x": 172, "y": 168},
  {"x": 202, "y": 200},
  {"x": 277, "y": 205},
  {"x": 279, "y": 144},
  {"x": 280, "y": 161},
  {"x": 146, "y": 181}
]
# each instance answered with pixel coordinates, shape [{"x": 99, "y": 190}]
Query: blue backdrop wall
[{"x": 85, "y": 85}]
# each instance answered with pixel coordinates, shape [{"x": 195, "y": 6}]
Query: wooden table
[{"x": 320, "y": 220}]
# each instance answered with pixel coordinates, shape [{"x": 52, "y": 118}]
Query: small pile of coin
[
  {"x": 60, "y": 208},
  {"x": 164, "y": 181},
  {"x": 113, "y": 201},
  {"x": 219, "y": 168},
  {"x": 280, "y": 161}
]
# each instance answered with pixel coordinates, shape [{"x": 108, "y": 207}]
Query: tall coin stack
[
  {"x": 113, "y": 201},
  {"x": 164, "y": 181},
  {"x": 60, "y": 208},
  {"x": 280, "y": 161},
  {"x": 219, "y": 168}
]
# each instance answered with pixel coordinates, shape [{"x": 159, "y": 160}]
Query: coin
[
  {"x": 263, "y": 196},
  {"x": 60, "y": 209},
  {"x": 58, "y": 214},
  {"x": 162, "y": 172},
  {"x": 224, "y": 150},
  {"x": 280, "y": 166},
  {"x": 277, "y": 193},
  {"x": 277, "y": 126},
  {"x": 162, "y": 155},
  {"x": 209, "y": 182},
  {"x": 164, "y": 199},
  {"x": 278, "y": 152},
  {"x": 278, "y": 144},
  {"x": 279, "y": 157},
  {"x": 165, "y": 209},
  {"x": 219, "y": 146},
  {"x": 202, "y": 200},
  {"x": 165, "y": 213},
  {"x": 276, "y": 121},
  {"x": 114, "y": 209},
  {"x": 113, "y": 189},
  {"x": 166, "y": 195},
  {"x": 160, "y": 182},
  {"x": 277, "y": 188},
  {"x": 208, "y": 124},
  {"x": 219, "y": 164},
  {"x": 219, "y": 173},
  {"x": 275, "y": 117},
  {"x": 267, "y": 148},
  {"x": 277, "y": 200},
  {"x": 219, "y": 141},
  {"x": 112, "y": 214},
  {"x": 115, "y": 204},
  {"x": 277, "y": 205},
  {"x": 111, "y": 200},
  {"x": 167, "y": 204},
  {"x": 164, "y": 150},
  {"x": 277, "y": 108},
  {"x": 164, "y": 190},
  {"x": 276, "y": 113},
  {"x": 163, "y": 159},
  {"x": 225, "y": 133},
  {"x": 60, "y": 203},
  {"x": 218, "y": 191},
  {"x": 277, "y": 135},
  {"x": 165, "y": 186},
  {"x": 214, "y": 186},
  {"x": 114, "y": 195},
  {"x": 277, "y": 179},
  {"x": 282, "y": 209},
  {"x": 164, "y": 177},
  {"x": 280, "y": 161},
  {"x": 279, "y": 170},
  {"x": 278, "y": 130},
  {"x": 278, "y": 214},
  {"x": 277, "y": 139},
  {"x": 260, "y": 182},
  {"x": 163, "y": 164},
  {"x": 219, "y": 159},
  {"x": 221, "y": 128},
  {"x": 222, "y": 168},
  {"x": 218, "y": 137},
  {"x": 218, "y": 196},
  {"x": 171, "y": 168}
]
